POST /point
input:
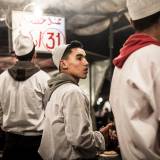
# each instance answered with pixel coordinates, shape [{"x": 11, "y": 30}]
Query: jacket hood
[
  {"x": 59, "y": 79},
  {"x": 23, "y": 70},
  {"x": 133, "y": 43},
  {"x": 55, "y": 82}
]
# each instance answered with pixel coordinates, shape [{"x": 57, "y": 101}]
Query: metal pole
[{"x": 110, "y": 47}]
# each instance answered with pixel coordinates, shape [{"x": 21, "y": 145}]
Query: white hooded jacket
[
  {"x": 22, "y": 89},
  {"x": 68, "y": 132},
  {"x": 135, "y": 100}
]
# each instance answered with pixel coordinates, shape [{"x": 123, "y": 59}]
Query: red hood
[{"x": 133, "y": 43}]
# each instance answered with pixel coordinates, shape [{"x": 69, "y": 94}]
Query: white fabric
[
  {"x": 21, "y": 103},
  {"x": 142, "y": 8},
  {"x": 23, "y": 45},
  {"x": 68, "y": 132},
  {"x": 57, "y": 54},
  {"x": 135, "y": 100}
]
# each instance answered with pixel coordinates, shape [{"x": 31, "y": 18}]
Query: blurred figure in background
[
  {"x": 103, "y": 115},
  {"x": 135, "y": 87},
  {"x": 22, "y": 89}
]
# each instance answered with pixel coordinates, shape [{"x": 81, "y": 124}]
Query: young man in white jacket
[
  {"x": 68, "y": 132},
  {"x": 135, "y": 88},
  {"x": 22, "y": 90}
]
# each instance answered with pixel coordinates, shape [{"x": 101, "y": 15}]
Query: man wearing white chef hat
[
  {"x": 22, "y": 88},
  {"x": 68, "y": 130},
  {"x": 135, "y": 87}
]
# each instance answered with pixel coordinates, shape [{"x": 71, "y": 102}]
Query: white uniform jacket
[
  {"x": 135, "y": 100},
  {"x": 68, "y": 132},
  {"x": 21, "y": 104}
]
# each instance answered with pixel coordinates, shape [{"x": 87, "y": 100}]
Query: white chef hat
[
  {"x": 23, "y": 45},
  {"x": 139, "y": 9},
  {"x": 57, "y": 54}
]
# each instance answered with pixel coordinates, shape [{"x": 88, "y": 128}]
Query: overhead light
[
  {"x": 2, "y": 15},
  {"x": 99, "y": 101},
  {"x": 33, "y": 7},
  {"x": 37, "y": 11},
  {"x": 2, "y": 19}
]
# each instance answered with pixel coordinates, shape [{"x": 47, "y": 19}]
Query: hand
[
  {"x": 110, "y": 135},
  {"x": 113, "y": 134},
  {"x": 105, "y": 130}
]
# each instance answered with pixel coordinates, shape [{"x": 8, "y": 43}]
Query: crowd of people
[{"x": 45, "y": 117}]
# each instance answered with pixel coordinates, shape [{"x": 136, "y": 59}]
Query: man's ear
[
  {"x": 63, "y": 64},
  {"x": 34, "y": 58},
  {"x": 14, "y": 58}
]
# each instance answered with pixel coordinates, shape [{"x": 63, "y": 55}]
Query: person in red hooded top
[{"x": 135, "y": 87}]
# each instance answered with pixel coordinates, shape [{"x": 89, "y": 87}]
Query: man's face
[{"x": 76, "y": 63}]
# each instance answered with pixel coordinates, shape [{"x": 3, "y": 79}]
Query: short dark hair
[
  {"x": 146, "y": 22},
  {"x": 27, "y": 57},
  {"x": 73, "y": 44}
]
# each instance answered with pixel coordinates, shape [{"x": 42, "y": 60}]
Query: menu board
[{"x": 47, "y": 32}]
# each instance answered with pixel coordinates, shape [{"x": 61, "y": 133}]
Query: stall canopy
[
  {"x": 82, "y": 17},
  {"x": 88, "y": 20}
]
